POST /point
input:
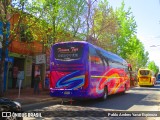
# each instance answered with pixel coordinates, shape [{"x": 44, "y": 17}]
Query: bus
[
  {"x": 80, "y": 70},
  {"x": 146, "y": 77}
]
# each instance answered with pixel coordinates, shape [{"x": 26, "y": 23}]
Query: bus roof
[
  {"x": 110, "y": 55},
  {"x": 72, "y": 42},
  {"x": 144, "y": 69}
]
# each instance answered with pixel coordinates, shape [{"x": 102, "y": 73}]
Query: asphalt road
[{"x": 139, "y": 99}]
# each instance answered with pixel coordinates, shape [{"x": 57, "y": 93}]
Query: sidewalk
[{"x": 27, "y": 96}]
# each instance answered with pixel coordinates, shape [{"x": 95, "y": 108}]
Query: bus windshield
[
  {"x": 144, "y": 72},
  {"x": 68, "y": 52}
]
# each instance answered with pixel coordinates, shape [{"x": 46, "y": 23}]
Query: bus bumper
[
  {"x": 145, "y": 84},
  {"x": 74, "y": 94}
]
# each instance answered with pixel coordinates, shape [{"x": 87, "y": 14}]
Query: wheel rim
[{"x": 105, "y": 94}]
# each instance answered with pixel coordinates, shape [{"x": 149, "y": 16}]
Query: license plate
[
  {"x": 144, "y": 79},
  {"x": 66, "y": 92}
]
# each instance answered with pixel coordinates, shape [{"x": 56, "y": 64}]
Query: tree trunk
[
  {"x": 3, "y": 56},
  {"x": 2, "y": 72}
]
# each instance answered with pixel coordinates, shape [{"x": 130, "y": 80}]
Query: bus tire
[
  {"x": 125, "y": 88},
  {"x": 105, "y": 93}
]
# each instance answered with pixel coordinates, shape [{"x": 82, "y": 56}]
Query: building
[{"x": 29, "y": 56}]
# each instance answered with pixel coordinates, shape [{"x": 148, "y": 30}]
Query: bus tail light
[
  {"x": 86, "y": 81},
  {"x": 51, "y": 82}
]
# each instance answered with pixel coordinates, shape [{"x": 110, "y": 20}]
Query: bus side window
[
  {"x": 106, "y": 60},
  {"x": 103, "y": 58},
  {"x": 93, "y": 57}
]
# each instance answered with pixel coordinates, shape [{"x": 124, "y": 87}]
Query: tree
[
  {"x": 103, "y": 26},
  {"x": 136, "y": 54},
  {"x": 62, "y": 20},
  {"x": 115, "y": 30},
  {"x": 129, "y": 46},
  {"x": 74, "y": 11},
  {"x": 126, "y": 29},
  {"x": 152, "y": 66}
]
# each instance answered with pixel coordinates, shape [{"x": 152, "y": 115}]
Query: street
[{"x": 136, "y": 99}]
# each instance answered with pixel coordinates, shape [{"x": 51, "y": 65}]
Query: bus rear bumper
[
  {"x": 73, "y": 94},
  {"x": 145, "y": 84}
]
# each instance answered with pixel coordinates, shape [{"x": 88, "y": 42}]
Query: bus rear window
[
  {"x": 144, "y": 72},
  {"x": 68, "y": 51}
]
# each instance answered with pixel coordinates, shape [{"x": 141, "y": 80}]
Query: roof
[{"x": 109, "y": 54}]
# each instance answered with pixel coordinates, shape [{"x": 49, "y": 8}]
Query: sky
[{"x": 147, "y": 17}]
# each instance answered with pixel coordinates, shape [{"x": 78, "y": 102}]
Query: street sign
[
  {"x": 9, "y": 59},
  {"x": 40, "y": 59}
]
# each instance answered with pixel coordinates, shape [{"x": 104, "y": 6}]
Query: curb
[
  {"x": 33, "y": 106},
  {"x": 33, "y": 102}
]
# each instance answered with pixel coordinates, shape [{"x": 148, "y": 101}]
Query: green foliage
[
  {"x": 126, "y": 30},
  {"x": 26, "y": 34},
  {"x": 61, "y": 20},
  {"x": 104, "y": 27},
  {"x": 115, "y": 30},
  {"x": 136, "y": 54},
  {"x": 152, "y": 66}
]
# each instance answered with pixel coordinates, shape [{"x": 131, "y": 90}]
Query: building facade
[{"x": 29, "y": 57}]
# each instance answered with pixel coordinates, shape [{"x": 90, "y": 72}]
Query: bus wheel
[
  {"x": 105, "y": 94},
  {"x": 125, "y": 88}
]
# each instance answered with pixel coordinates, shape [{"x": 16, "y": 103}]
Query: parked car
[{"x": 7, "y": 105}]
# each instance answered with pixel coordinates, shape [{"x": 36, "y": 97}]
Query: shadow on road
[
  {"x": 118, "y": 102},
  {"x": 148, "y": 88},
  {"x": 146, "y": 96},
  {"x": 136, "y": 96}
]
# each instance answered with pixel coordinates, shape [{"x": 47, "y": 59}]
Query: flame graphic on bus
[
  {"x": 73, "y": 80},
  {"x": 107, "y": 77}
]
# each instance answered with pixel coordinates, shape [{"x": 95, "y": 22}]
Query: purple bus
[{"x": 80, "y": 70}]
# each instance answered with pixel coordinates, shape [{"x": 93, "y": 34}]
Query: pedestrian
[
  {"x": 15, "y": 74},
  {"x": 36, "y": 84}
]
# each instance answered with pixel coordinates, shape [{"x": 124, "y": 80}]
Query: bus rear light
[{"x": 86, "y": 81}]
